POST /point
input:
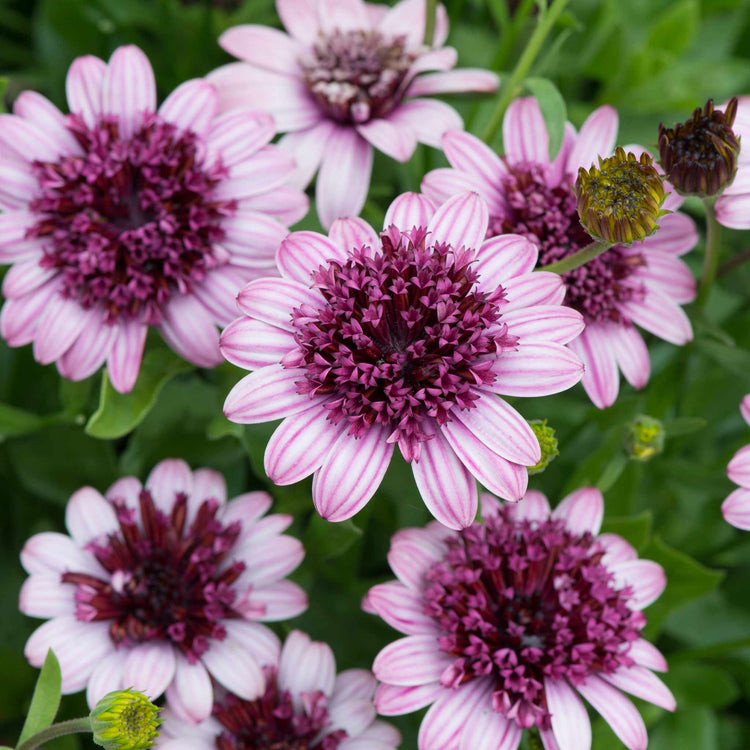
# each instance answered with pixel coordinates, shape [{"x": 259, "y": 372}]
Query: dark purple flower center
[
  {"x": 521, "y": 601},
  {"x": 355, "y": 76},
  {"x": 130, "y": 222},
  {"x": 548, "y": 216},
  {"x": 167, "y": 580},
  {"x": 272, "y": 723},
  {"x": 404, "y": 338}
]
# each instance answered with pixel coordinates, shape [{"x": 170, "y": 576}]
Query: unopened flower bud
[
  {"x": 620, "y": 201},
  {"x": 547, "y": 442},
  {"x": 644, "y": 438},
  {"x": 699, "y": 157},
  {"x": 125, "y": 720}
]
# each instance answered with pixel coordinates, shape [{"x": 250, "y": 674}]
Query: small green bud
[
  {"x": 125, "y": 720},
  {"x": 644, "y": 438},
  {"x": 547, "y": 442}
]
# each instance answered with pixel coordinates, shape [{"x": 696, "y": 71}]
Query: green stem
[
  {"x": 584, "y": 255},
  {"x": 510, "y": 88},
  {"x": 711, "y": 258},
  {"x": 510, "y": 32},
  {"x": 72, "y": 726},
  {"x": 429, "y": 24}
]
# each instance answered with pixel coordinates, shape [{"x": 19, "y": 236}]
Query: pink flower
[
  {"x": 162, "y": 588},
  {"x": 736, "y": 508},
  {"x": 510, "y": 621},
  {"x": 346, "y": 78},
  {"x": 120, "y": 216},
  {"x": 305, "y": 705},
  {"x": 405, "y": 338},
  {"x": 532, "y": 196},
  {"x": 733, "y": 205}
]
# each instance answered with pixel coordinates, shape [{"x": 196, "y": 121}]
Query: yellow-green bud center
[
  {"x": 125, "y": 720},
  {"x": 620, "y": 201},
  {"x": 644, "y": 438},
  {"x": 547, "y": 442}
]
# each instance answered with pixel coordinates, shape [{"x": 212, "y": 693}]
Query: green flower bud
[
  {"x": 620, "y": 201},
  {"x": 644, "y": 438},
  {"x": 547, "y": 442},
  {"x": 125, "y": 720}
]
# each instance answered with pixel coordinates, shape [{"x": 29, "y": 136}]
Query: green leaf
[
  {"x": 553, "y": 109},
  {"x": 696, "y": 729},
  {"x": 46, "y": 698},
  {"x": 177, "y": 425},
  {"x": 736, "y": 361},
  {"x": 612, "y": 472},
  {"x": 56, "y": 461},
  {"x": 674, "y": 30},
  {"x": 635, "y": 529},
  {"x": 325, "y": 540},
  {"x": 256, "y": 437},
  {"x": 18, "y": 421},
  {"x": 220, "y": 427},
  {"x": 701, "y": 685},
  {"x": 588, "y": 471},
  {"x": 687, "y": 579},
  {"x": 119, "y": 413},
  {"x": 684, "y": 426},
  {"x": 74, "y": 395}
]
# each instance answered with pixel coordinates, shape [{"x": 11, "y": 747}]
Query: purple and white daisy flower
[
  {"x": 736, "y": 508},
  {"x": 511, "y": 621},
  {"x": 733, "y": 205},
  {"x": 531, "y": 195},
  {"x": 305, "y": 705},
  {"x": 347, "y": 78},
  {"x": 163, "y": 588},
  {"x": 406, "y": 337},
  {"x": 120, "y": 216}
]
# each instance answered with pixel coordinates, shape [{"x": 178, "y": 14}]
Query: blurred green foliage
[{"x": 655, "y": 60}]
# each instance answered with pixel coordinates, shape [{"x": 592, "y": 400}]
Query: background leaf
[
  {"x": 553, "y": 108},
  {"x": 119, "y": 413},
  {"x": 687, "y": 579},
  {"x": 17, "y": 421},
  {"x": 46, "y": 698}
]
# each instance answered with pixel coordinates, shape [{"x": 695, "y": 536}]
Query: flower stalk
[
  {"x": 52, "y": 732},
  {"x": 509, "y": 91},
  {"x": 583, "y": 256},
  {"x": 711, "y": 258}
]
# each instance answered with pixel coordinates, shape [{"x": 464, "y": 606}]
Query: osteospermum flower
[
  {"x": 531, "y": 195},
  {"x": 161, "y": 588},
  {"x": 407, "y": 337},
  {"x": 733, "y": 205},
  {"x": 736, "y": 508},
  {"x": 120, "y": 216},
  {"x": 509, "y": 622},
  {"x": 306, "y": 706},
  {"x": 347, "y": 78}
]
